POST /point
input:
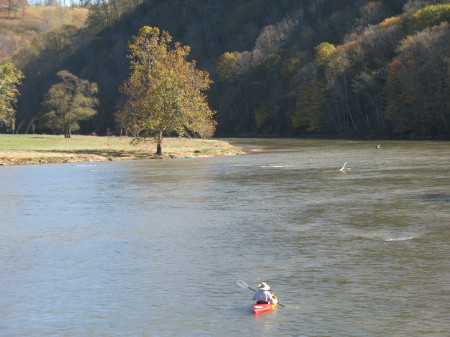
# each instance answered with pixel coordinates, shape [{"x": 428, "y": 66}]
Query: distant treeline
[{"x": 346, "y": 68}]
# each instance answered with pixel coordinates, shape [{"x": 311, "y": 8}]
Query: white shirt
[{"x": 264, "y": 296}]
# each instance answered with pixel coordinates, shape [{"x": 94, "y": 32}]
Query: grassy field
[{"x": 42, "y": 149}]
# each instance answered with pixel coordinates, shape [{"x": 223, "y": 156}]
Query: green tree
[
  {"x": 69, "y": 102},
  {"x": 324, "y": 54},
  {"x": 309, "y": 109},
  {"x": 225, "y": 65},
  {"x": 429, "y": 16},
  {"x": 165, "y": 90},
  {"x": 10, "y": 78}
]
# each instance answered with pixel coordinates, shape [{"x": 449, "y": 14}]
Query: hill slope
[
  {"x": 274, "y": 74},
  {"x": 19, "y": 28}
]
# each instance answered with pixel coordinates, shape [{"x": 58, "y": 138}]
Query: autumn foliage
[
  {"x": 335, "y": 68},
  {"x": 165, "y": 90}
]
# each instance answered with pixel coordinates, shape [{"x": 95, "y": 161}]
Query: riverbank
[{"x": 44, "y": 149}]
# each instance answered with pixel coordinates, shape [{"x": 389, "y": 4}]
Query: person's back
[{"x": 263, "y": 295}]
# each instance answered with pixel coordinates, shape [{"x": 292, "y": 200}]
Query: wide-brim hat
[{"x": 263, "y": 286}]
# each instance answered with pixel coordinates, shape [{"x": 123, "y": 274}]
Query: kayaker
[{"x": 263, "y": 296}]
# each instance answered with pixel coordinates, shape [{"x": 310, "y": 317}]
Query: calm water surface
[{"x": 154, "y": 248}]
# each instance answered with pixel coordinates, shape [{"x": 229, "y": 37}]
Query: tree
[
  {"x": 68, "y": 103},
  {"x": 165, "y": 90},
  {"x": 324, "y": 54},
  {"x": 12, "y": 7},
  {"x": 9, "y": 80},
  {"x": 417, "y": 87},
  {"x": 430, "y": 16},
  {"x": 225, "y": 65},
  {"x": 309, "y": 114}
]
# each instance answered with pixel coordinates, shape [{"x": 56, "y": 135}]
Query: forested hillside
[
  {"x": 345, "y": 68},
  {"x": 21, "y": 25}
]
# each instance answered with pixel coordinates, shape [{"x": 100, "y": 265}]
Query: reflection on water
[{"x": 153, "y": 248}]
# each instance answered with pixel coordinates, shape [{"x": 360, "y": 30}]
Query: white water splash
[
  {"x": 399, "y": 239},
  {"x": 387, "y": 237}
]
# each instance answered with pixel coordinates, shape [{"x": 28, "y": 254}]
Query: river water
[{"x": 154, "y": 248}]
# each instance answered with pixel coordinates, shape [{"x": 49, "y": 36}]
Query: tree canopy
[
  {"x": 10, "y": 78},
  {"x": 69, "y": 102},
  {"x": 165, "y": 90}
]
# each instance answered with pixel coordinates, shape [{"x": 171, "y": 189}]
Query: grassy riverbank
[{"x": 42, "y": 149}]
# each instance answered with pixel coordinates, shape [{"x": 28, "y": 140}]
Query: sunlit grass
[
  {"x": 32, "y": 149},
  {"x": 49, "y": 142}
]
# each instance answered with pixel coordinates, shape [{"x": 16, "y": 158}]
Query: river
[{"x": 155, "y": 247}]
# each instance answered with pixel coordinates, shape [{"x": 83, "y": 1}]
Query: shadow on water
[{"x": 432, "y": 197}]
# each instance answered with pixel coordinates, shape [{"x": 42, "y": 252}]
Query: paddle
[{"x": 242, "y": 284}]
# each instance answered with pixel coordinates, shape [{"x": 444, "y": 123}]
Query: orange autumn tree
[{"x": 165, "y": 91}]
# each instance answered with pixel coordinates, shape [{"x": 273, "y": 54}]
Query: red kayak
[{"x": 260, "y": 308}]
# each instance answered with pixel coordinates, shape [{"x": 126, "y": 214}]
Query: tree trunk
[
  {"x": 66, "y": 132},
  {"x": 158, "y": 149},
  {"x": 159, "y": 140}
]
